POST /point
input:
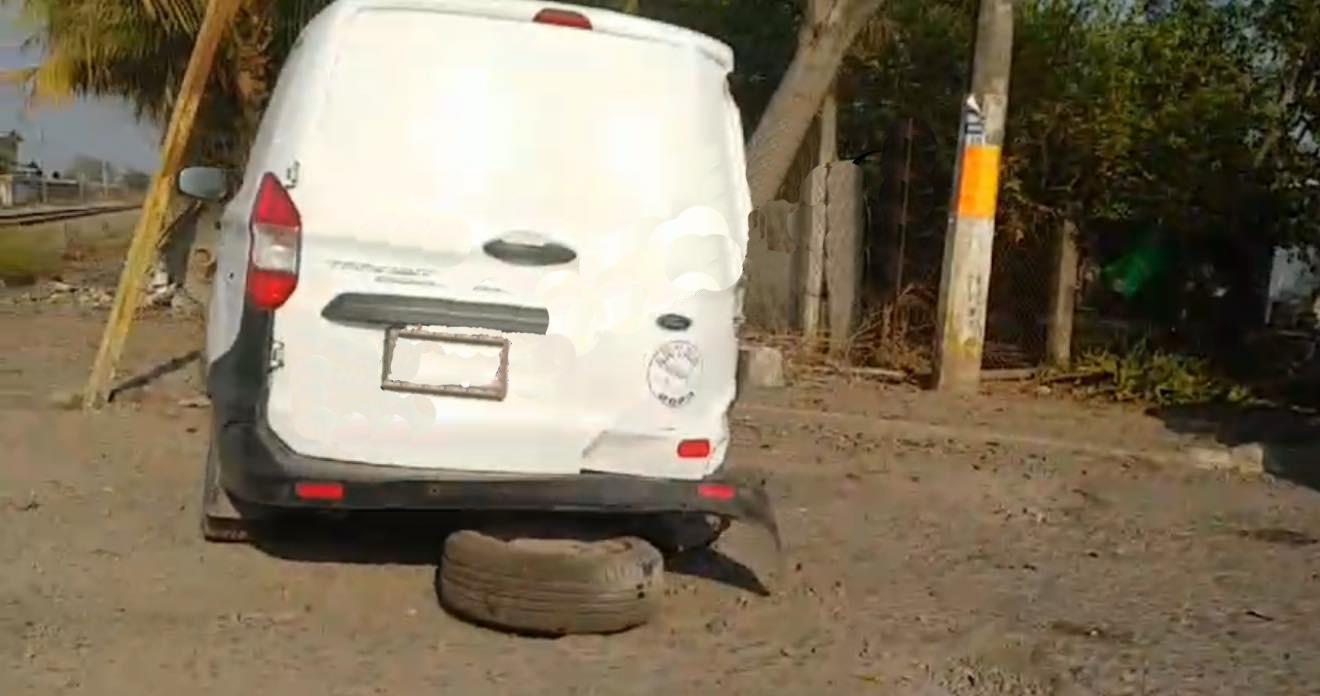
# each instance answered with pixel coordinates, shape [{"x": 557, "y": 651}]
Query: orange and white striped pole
[{"x": 969, "y": 242}]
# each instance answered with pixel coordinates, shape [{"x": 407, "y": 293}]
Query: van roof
[{"x": 606, "y": 21}]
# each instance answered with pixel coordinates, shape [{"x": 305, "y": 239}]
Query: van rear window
[{"x": 524, "y": 122}]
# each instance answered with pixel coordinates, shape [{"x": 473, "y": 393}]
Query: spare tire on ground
[{"x": 551, "y": 586}]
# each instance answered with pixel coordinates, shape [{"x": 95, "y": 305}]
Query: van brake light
[
  {"x": 276, "y": 229},
  {"x": 694, "y": 449},
  {"x": 562, "y": 18}
]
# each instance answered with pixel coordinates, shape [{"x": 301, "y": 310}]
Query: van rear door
[{"x": 517, "y": 198}]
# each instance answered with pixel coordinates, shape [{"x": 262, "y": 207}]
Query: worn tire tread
[
  {"x": 536, "y": 589},
  {"x": 509, "y": 614},
  {"x": 490, "y": 581}
]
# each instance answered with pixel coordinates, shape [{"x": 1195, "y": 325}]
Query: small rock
[
  {"x": 195, "y": 402},
  {"x": 1249, "y": 458},
  {"x": 1246, "y": 459},
  {"x": 1212, "y": 458}
]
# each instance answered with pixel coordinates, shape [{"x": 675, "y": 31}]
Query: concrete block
[
  {"x": 1245, "y": 459},
  {"x": 761, "y": 367}
]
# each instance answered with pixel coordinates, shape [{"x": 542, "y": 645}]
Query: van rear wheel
[{"x": 551, "y": 586}]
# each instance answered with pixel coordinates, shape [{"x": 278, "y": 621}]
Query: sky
[{"x": 53, "y": 136}]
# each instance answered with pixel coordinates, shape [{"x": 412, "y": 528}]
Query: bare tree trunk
[
  {"x": 828, "y": 118},
  {"x": 822, "y": 45}
]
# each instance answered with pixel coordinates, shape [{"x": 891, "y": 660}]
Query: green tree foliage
[
  {"x": 1115, "y": 118},
  {"x": 1193, "y": 119},
  {"x": 762, "y": 33},
  {"x": 139, "y": 49}
]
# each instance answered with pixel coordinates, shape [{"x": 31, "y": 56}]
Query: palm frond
[{"x": 138, "y": 49}]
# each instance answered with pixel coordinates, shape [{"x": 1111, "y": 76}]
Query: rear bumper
[{"x": 257, "y": 467}]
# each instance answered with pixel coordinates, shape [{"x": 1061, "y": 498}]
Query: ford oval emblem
[{"x": 674, "y": 322}]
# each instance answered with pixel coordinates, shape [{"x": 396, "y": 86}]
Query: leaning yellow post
[{"x": 146, "y": 237}]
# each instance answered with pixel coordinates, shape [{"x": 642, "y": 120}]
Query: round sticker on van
[{"x": 673, "y": 373}]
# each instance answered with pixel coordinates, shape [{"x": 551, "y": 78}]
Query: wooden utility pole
[
  {"x": 147, "y": 236},
  {"x": 969, "y": 242}
]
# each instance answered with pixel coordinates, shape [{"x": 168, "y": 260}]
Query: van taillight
[
  {"x": 276, "y": 229},
  {"x": 694, "y": 449},
  {"x": 562, "y": 18}
]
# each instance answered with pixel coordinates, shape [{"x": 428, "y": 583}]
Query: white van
[{"x": 485, "y": 255}]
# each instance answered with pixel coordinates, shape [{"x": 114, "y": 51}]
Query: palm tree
[{"x": 138, "y": 50}]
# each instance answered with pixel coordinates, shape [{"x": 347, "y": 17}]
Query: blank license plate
[{"x": 423, "y": 362}]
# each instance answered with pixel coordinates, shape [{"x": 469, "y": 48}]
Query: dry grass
[
  {"x": 29, "y": 254},
  {"x": 800, "y": 355},
  {"x": 899, "y": 335},
  {"x": 891, "y": 343}
]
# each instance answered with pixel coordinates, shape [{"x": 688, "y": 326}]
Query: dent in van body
[{"x": 636, "y": 438}]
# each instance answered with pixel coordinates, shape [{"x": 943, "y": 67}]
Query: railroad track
[{"x": 37, "y": 217}]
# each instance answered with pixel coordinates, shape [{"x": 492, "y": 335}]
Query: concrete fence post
[
  {"x": 843, "y": 253},
  {"x": 1063, "y": 296},
  {"x": 815, "y": 223},
  {"x": 773, "y": 242}
]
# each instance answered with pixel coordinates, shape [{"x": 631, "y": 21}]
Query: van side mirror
[{"x": 204, "y": 183}]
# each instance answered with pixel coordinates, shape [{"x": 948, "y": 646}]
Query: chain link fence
[
  {"x": 906, "y": 226},
  {"x": 1018, "y": 311},
  {"x": 904, "y": 252}
]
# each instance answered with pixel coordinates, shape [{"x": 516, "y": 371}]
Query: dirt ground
[{"x": 912, "y": 565}]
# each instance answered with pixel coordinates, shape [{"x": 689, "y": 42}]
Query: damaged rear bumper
[{"x": 257, "y": 467}]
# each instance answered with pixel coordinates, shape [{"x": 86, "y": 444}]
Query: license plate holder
[{"x": 494, "y": 348}]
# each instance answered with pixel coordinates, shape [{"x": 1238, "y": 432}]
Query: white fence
[{"x": 24, "y": 189}]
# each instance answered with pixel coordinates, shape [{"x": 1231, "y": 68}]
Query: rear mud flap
[
  {"x": 752, "y": 544},
  {"x": 753, "y": 552}
]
